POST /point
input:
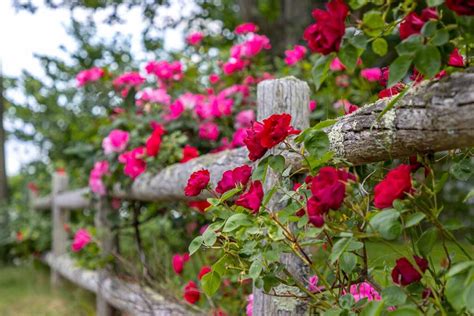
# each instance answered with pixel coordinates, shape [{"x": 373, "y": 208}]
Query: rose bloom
[
  {"x": 371, "y": 74},
  {"x": 204, "y": 270},
  {"x": 195, "y": 38},
  {"x": 269, "y": 133},
  {"x": 394, "y": 186},
  {"x": 292, "y": 56},
  {"x": 245, "y": 28},
  {"x": 214, "y": 78},
  {"x": 390, "y": 92},
  {"x": 178, "y": 262},
  {"x": 461, "y": 7},
  {"x": 200, "y": 206},
  {"x": 244, "y": 119},
  {"x": 312, "y": 105},
  {"x": 116, "y": 141},
  {"x": 404, "y": 273},
  {"x": 81, "y": 239},
  {"x": 191, "y": 293},
  {"x": 89, "y": 75},
  {"x": 189, "y": 152},
  {"x": 197, "y": 182},
  {"x": 329, "y": 186},
  {"x": 249, "y": 307},
  {"x": 325, "y": 35},
  {"x": 456, "y": 59},
  {"x": 336, "y": 65},
  {"x": 413, "y": 23},
  {"x": 134, "y": 164},
  {"x": 232, "y": 178},
  {"x": 252, "y": 199},
  {"x": 364, "y": 290},
  {"x": 153, "y": 142},
  {"x": 209, "y": 131}
]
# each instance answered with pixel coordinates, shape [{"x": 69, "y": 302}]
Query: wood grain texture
[
  {"x": 288, "y": 95},
  {"x": 129, "y": 297}
]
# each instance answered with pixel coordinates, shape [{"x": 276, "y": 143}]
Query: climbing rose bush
[{"x": 325, "y": 213}]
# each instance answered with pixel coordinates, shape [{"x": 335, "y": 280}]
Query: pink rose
[
  {"x": 244, "y": 119},
  {"x": 116, "y": 141},
  {"x": 89, "y": 75},
  {"x": 294, "y": 55},
  {"x": 194, "y": 38},
  {"x": 81, "y": 239},
  {"x": 244, "y": 28},
  {"x": 209, "y": 131},
  {"x": 371, "y": 74}
]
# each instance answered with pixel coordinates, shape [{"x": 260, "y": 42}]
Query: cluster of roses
[{"x": 81, "y": 239}]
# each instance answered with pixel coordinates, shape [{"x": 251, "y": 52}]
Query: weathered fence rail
[{"x": 431, "y": 117}]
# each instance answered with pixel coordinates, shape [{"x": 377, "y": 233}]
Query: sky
[{"x": 23, "y": 34}]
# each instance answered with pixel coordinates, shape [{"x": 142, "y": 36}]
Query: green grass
[{"x": 26, "y": 291}]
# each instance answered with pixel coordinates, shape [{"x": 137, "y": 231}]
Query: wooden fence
[{"x": 433, "y": 116}]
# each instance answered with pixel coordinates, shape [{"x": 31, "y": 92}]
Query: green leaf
[
  {"x": 373, "y": 308},
  {"x": 440, "y": 38},
  {"x": 386, "y": 223},
  {"x": 454, "y": 292},
  {"x": 236, "y": 221},
  {"x": 320, "y": 70},
  {"x": 348, "y": 261},
  {"x": 220, "y": 265},
  {"x": 277, "y": 163},
  {"x": 342, "y": 245},
  {"x": 429, "y": 28},
  {"x": 398, "y": 69},
  {"x": 211, "y": 282},
  {"x": 260, "y": 172},
  {"x": 469, "y": 196},
  {"x": 462, "y": 170},
  {"x": 428, "y": 61},
  {"x": 346, "y": 301},
  {"x": 441, "y": 182},
  {"x": 316, "y": 143},
  {"x": 393, "y": 295},
  {"x": 458, "y": 268},
  {"x": 380, "y": 46},
  {"x": 195, "y": 244},
  {"x": 427, "y": 241},
  {"x": 373, "y": 23},
  {"x": 323, "y": 124},
  {"x": 209, "y": 237},
  {"x": 410, "y": 45},
  {"x": 414, "y": 219},
  {"x": 348, "y": 56},
  {"x": 434, "y": 3},
  {"x": 406, "y": 311},
  {"x": 357, "y": 4},
  {"x": 255, "y": 269},
  {"x": 360, "y": 41},
  {"x": 229, "y": 194}
]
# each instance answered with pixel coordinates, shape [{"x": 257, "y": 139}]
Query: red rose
[
  {"x": 204, "y": 270},
  {"x": 390, "y": 92},
  {"x": 252, "y": 199},
  {"x": 252, "y": 141},
  {"x": 413, "y": 23},
  {"x": 325, "y": 35},
  {"x": 272, "y": 131},
  {"x": 405, "y": 273},
  {"x": 316, "y": 212},
  {"x": 153, "y": 142},
  {"x": 199, "y": 205},
  {"x": 461, "y": 7},
  {"x": 197, "y": 182},
  {"x": 329, "y": 187},
  {"x": 189, "y": 152},
  {"x": 455, "y": 59},
  {"x": 191, "y": 293},
  {"x": 178, "y": 262},
  {"x": 232, "y": 178},
  {"x": 394, "y": 186},
  {"x": 275, "y": 129}
]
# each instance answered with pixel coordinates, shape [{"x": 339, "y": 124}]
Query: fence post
[
  {"x": 108, "y": 244},
  {"x": 286, "y": 95},
  {"x": 60, "y": 218}
]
